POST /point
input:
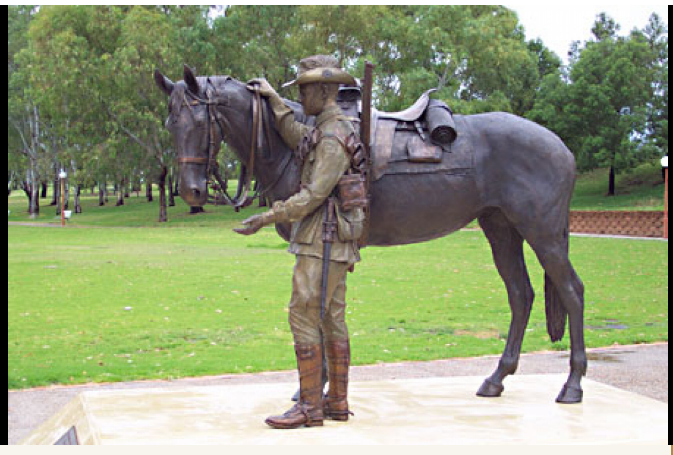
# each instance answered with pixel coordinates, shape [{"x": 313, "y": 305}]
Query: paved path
[{"x": 642, "y": 369}]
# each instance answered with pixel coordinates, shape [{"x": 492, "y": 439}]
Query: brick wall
[{"x": 638, "y": 224}]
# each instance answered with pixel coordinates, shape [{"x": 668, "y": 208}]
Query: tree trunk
[
  {"x": 26, "y": 189},
  {"x": 120, "y": 193},
  {"x": 176, "y": 181},
  {"x": 55, "y": 189},
  {"x": 148, "y": 191},
  {"x": 171, "y": 197},
  {"x": 78, "y": 192},
  {"x": 32, "y": 189},
  {"x": 101, "y": 193},
  {"x": 66, "y": 189},
  {"x": 44, "y": 190},
  {"x": 257, "y": 189},
  {"x": 611, "y": 183},
  {"x": 57, "y": 197},
  {"x": 34, "y": 208},
  {"x": 163, "y": 216}
]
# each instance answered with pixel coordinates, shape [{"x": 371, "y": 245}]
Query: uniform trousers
[{"x": 304, "y": 308}]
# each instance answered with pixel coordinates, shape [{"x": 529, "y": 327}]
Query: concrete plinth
[{"x": 412, "y": 411}]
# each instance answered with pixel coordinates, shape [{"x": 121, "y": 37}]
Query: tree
[
  {"x": 101, "y": 116},
  {"x": 93, "y": 70},
  {"x": 656, "y": 34},
  {"x": 68, "y": 44},
  {"x": 23, "y": 119},
  {"x": 138, "y": 108},
  {"x": 602, "y": 109}
]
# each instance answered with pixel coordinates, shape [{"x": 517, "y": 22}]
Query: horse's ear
[
  {"x": 190, "y": 80},
  {"x": 163, "y": 82}
]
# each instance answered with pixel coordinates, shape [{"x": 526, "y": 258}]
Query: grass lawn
[
  {"x": 113, "y": 303},
  {"x": 642, "y": 189},
  {"x": 136, "y": 212},
  {"x": 124, "y": 297}
]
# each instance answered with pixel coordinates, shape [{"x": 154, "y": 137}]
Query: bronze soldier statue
[{"x": 324, "y": 240}]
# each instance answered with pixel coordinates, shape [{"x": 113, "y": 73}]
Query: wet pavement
[{"x": 642, "y": 369}]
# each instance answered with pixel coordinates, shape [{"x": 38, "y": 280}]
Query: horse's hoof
[
  {"x": 570, "y": 395},
  {"x": 490, "y": 389}
]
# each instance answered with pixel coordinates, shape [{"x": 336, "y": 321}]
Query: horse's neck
[{"x": 274, "y": 166}]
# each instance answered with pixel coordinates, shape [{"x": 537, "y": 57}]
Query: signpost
[{"x": 664, "y": 164}]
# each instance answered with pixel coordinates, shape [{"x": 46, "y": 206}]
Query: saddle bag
[
  {"x": 420, "y": 151},
  {"x": 352, "y": 186}
]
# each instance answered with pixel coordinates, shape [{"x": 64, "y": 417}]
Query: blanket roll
[{"x": 440, "y": 123}]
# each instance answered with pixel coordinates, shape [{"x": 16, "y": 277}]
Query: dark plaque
[{"x": 68, "y": 439}]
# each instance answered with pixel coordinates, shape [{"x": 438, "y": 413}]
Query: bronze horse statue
[{"x": 520, "y": 190}]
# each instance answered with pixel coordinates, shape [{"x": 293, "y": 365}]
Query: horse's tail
[
  {"x": 554, "y": 309},
  {"x": 556, "y": 312}
]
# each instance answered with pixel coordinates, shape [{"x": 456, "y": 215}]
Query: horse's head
[
  {"x": 203, "y": 112},
  {"x": 192, "y": 112}
]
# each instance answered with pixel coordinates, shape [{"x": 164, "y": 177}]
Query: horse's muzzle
[{"x": 194, "y": 195}]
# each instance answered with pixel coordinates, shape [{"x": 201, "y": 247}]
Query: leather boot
[
  {"x": 338, "y": 360},
  {"x": 309, "y": 409}
]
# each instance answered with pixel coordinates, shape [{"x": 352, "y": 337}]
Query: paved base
[{"x": 416, "y": 411}]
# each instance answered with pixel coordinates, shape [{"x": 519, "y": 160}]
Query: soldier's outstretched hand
[
  {"x": 251, "y": 225},
  {"x": 265, "y": 88}
]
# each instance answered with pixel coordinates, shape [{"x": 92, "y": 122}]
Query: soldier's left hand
[
  {"x": 265, "y": 88},
  {"x": 252, "y": 225}
]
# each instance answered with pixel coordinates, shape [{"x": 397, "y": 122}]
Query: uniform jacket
[{"x": 320, "y": 173}]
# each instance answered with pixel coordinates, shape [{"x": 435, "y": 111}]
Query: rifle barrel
[{"x": 365, "y": 123}]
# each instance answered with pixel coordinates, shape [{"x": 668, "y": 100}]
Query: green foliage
[
  {"x": 603, "y": 108},
  {"x": 88, "y": 71}
]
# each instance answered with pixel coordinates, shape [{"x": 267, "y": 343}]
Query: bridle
[{"x": 212, "y": 167}]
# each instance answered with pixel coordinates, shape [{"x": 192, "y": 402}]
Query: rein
[{"x": 240, "y": 200}]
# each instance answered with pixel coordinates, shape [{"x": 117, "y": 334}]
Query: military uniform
[
  {"x": 321, "y": 170},
  {"x": 324, "y": 161}
]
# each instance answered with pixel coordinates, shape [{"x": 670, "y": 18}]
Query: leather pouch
[
  {"x": 350, "y": 223},
  {"x": 352, "y": 191}
]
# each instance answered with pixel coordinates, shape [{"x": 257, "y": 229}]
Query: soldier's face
[{"x": 312, "y": 98}]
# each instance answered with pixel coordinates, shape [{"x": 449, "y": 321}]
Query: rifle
[
  {"x": 365, "y": 137},
  {"x": 329, "y": 230}
]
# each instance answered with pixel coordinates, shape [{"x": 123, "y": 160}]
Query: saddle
[{"x": 414, "y": 140}]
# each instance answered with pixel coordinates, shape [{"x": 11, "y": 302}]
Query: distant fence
[{"x": 638, "y": 224}]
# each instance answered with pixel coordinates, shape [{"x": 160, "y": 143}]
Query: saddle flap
[
  {"x": 404, "y": 151},
  {"x": 420, "y": 151}
]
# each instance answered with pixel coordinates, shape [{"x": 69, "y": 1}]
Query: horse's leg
[
  {"x": 507, "y": 246},
  {"x": 568, "y": 287}
]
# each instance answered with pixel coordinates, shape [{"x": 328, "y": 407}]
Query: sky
[{"x": 560, "y": 23}]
